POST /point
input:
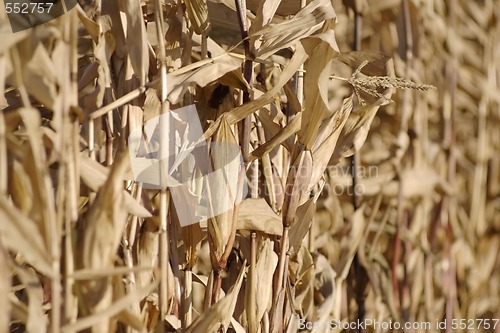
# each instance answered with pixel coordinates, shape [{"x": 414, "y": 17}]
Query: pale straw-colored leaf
[
  {"x": 37, "y": 319},
  {"x": 21, "y": 235},
  {"x": 297, "y": 185},
  {"x": 326, "y": 141},
  {"x": 256, "y": 215},
  {"x": 286, "y": 132},
  {"x": 239, "y": 113},
  {"x": 321, "y": 52},
  {"x": 94, "y": 175},
  {"x": 302, "y": 276},
  {"x": 106, "y": 219},
  {"x": 197, "y": 11},
  {"x": 356, "y": 129},
  {"x": 299, "y": 230},
  {"x": 351, "y": 242},
  {"x": 324, "y": 283},
  {"x": 266, "y": 265},
  {"x": 202, "y": 73},
  {"x": 115, "y": 308},
  {"x": 219, "y": 315},
  {"x": 137, "y": 42},
  {"x": 306, "y": 22}
]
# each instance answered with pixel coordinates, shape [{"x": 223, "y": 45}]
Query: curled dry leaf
[
  {"x": 137, "y": 41},
  {"x": 301, "y": 270},
  {"x": 327, "y": 139},
  {"x": 280, "y": 138},
  {"x": 94, "y": 175},
  {"x": 301, "y": 227},
  {"x": 202, "y": 73},
  {"x": 296, "y": 186},
  {"x": 256, "y": 215},
  {"x": 219, "y": 315},
  {"x": 324, "y": 287},
  {"x": 105, "y": 220},
  {"x": 350, "y": 243},
  {"x": 37, "y": 318},
  {"x": 356, "y": 129},
  {"x": 146, "y": 250},
  {"x": 36, "y": 69},
  {"x": 279, "y": 36},
  {"x": 197, "y": 11},
  {"x": 418, "y": 183},
  {"x": 321, "y": 49},
  {"x": 20, "y": 234},
  {"x": 425, "y": 247}
]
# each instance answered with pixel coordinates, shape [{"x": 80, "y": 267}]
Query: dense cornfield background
[{"x": 369, "y": 132}]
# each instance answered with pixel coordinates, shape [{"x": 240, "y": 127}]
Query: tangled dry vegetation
[{"x": 406, "y": 229}]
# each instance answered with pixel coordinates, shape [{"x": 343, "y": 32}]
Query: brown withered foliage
[{"x": 369, "y": 185}]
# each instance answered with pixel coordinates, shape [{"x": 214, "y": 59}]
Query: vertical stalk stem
[
  {"x": 247, "y": 74},
  {"x": 164, "y": 195}
]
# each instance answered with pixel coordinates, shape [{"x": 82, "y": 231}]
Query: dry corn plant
[{"x": 405, "y": 231}]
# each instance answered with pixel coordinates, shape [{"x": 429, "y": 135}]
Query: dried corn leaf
[
  {"x": 137, "y": 41},
  {"x": 356, "y": 129},
  {"x": 91, "y": 26},
  {"x": 265, "y": 12},
  {"x": 220, "y": 314},
  {"x": 239, "y": 113},
  {"x": 299, "y": 230},
  {"x": 103, "y": 52},
  {"x": 305, "y": 23},
  {"x": 351, "y": 242},
  {"x": 19, "y": 310},
  {"x": 8, "y": 38},
  {"x": 417, "y": 183},
  {"x": 21, "y": 235},
  {"x": 324, "y": 285},
  {"x": 118, "y": 306},
  {"x": 35, "y": 164},
  {"x": 327, "y": 138},
  {"x": 191, "y": 236},
  {"x": 297, "y": 185},
  {"x": 286, "y": 132},
  {"x": 197, "y": 11},
  {"x": 20, "y": 188},
  {"x": 266, "y": 264},
  {"x": 301, "y": 270},
  {"x": 106, "y": 220},
  {"x": 37, "y": 318},
  {"x": 94, "y": 175},
  {"x": 285, "y": 8},
  {"x": 36, "y": 70},
  {"x": 316, "y": 80},
  {"x": 256, "y": 215},
  {"x": 89, "y": 274},
  {"x": 202, "y": 73}
]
